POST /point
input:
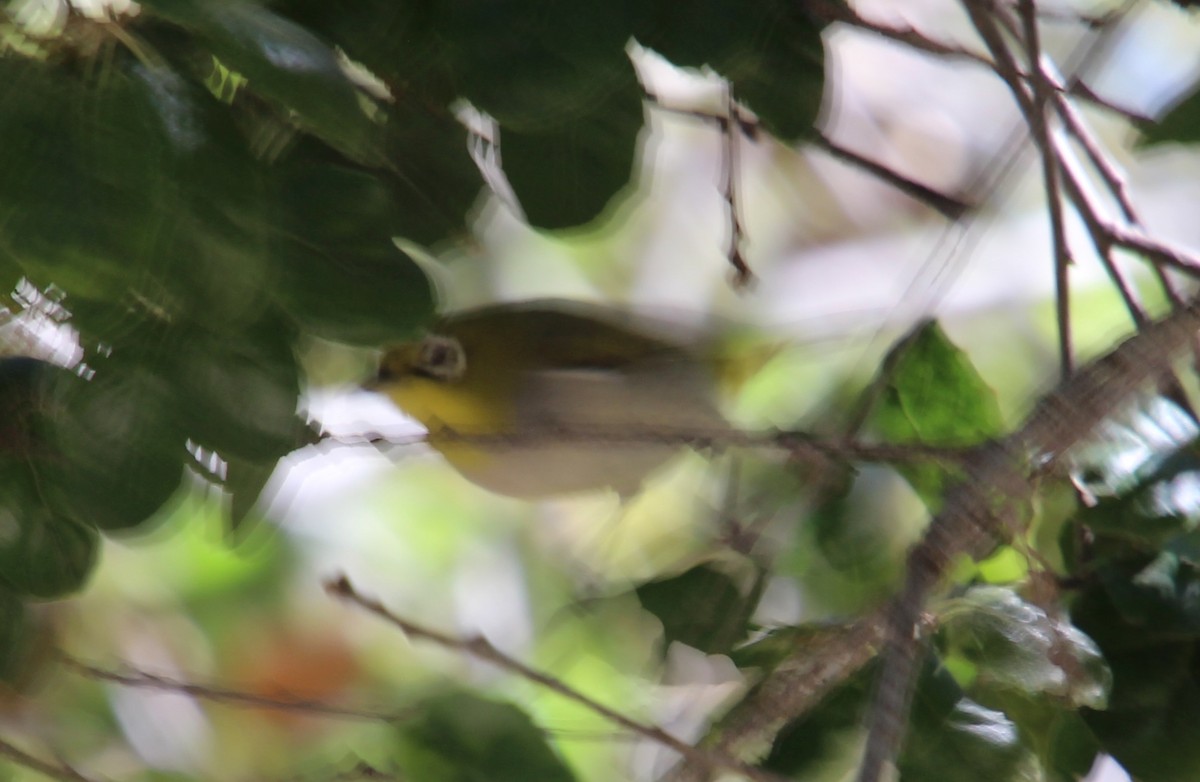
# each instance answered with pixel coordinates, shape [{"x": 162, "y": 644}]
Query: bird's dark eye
[{"x": 441, "y": 358}]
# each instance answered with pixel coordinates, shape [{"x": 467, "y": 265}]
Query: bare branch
[
  {"x": 481, "y": 649},
  {"x": 225, "y": 696},
  {"x": 948, "y": 206},
  {"x": 1036, "y": 117},
  {"x": 730, "y": 169}
]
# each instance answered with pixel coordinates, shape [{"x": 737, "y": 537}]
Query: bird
[{"x": 546, "y": 398}]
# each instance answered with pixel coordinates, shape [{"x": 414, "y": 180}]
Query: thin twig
[
  {"x": 481, "y": 649},
  {"x": 950, "y": 207},
  {"x": 53, "y": 770},
  {"x": 1036, "y": 117},
  {"x": 731, "y": 134},
  {"x": 1113, "y": 178},
  {"x": 228, "y": 697},
  {"x": 914, "y": 39},
  {"x": 1075, "y": 124}
]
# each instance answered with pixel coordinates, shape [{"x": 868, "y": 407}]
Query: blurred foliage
[
  {"x": 194, "y": 192},
  {"x": 704, "y": 607},
  {"x": 205, "y": 185}
]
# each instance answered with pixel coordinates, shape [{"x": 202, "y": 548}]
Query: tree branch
[{"x": 481, "y": 649}]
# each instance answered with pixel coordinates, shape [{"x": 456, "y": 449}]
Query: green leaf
[
  {"x": 119, "y": 446},
  {"x": 560, "y": 58},
  {"x": 84, "y": 194},
  {"x": 239, "y": 397},
  {"x": 464, "y": 738},
  {"x": 934, "y": 395},
  {"x": 1064, "y": 744},
  {"x": 863, "y": 534},
  {"x": 564, "y": 173},
  {"x": 43, "y": 552},
  {"x": 368, "y": 31},
  {"x": 433, "y": 180},
  {"x": 283, "y": 62},
  {"x": 1015, "y": 646},
  {"x": 704, "y": 607},
  {"x": 342, "y": 276},
  {"x": 133, "y": 188}
]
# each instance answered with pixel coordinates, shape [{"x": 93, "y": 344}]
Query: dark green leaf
[
  {"x": 704, "y": 607},
  {"x": 119, "y": 446},
  {"x": 1058, "y": 734},
  {"x": 818, "y": 736},
  {"x": 859, "y": 535},
  {"x": 433, "y": 180},
  {"x": 1152, "y": 723},
  {"x": 342, "y": 276},
  {"x": 565, "y": 173},
  {"x": 43, "y": 551},
  {"x": 17, "y": 636},
  {"x": 560, "y": 58},
  {"x": 245, "y": 481},
  {"x": 1162, "y": 509},
  {"x": 240, "y": 397},
  {"x": 465, "y": 738},
  {"x": 83, "y": 195},
  {"x": 283, "y": 62},
  {"x": 771, "y": 52},
  {"x": 27, "y": 387},
  {"x": 134, "y": 188}
]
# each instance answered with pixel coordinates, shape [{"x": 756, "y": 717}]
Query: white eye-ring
[{"x": 441, "y": 358}]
